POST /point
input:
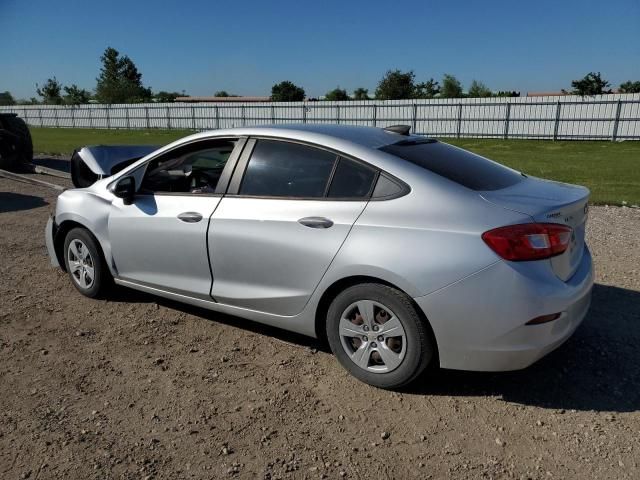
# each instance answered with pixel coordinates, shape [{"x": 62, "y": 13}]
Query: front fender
[{"x": 91, "y": 211}]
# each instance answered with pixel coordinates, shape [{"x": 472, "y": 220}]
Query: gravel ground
[{"x": 139, "y": 387}]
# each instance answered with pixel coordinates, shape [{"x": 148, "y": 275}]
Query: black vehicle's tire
[
  {"x": 420, "y": 348},
  {"x": 100, "y": 278},
  {"x": 24, "y": 153}
]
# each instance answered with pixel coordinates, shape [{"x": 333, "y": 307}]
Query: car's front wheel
[
  {"x": 378, "y": 336},
  {"x": 84, "y": 263}
]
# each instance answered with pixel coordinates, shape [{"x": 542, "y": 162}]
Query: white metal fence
[{"x": 604, "y": 117}]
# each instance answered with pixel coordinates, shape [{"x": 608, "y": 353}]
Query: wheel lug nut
[
  {"x": 373, "y": 345},
  {"x": 380, "y": 339},
  {"x": 364, "y": 338},
  {"x": 375, "y": 328},
  {"x": 365, "y": 328}
]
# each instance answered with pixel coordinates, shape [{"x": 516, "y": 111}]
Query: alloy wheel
[{"x": 81, "y": 264}]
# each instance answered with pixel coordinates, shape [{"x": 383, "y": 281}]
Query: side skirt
[{"x": 304, "y": 323}]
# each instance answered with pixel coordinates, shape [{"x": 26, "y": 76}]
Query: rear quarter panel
[{"x": 424, "y": 240}]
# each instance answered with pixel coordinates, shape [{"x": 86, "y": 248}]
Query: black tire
[
  {"x": 24, "y": 151},
  {"x": 420, "y": 347},
  {"x": 101, "y": 275}
]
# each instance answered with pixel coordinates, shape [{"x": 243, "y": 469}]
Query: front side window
[
  {"x": 194, "y": 168},
  {"x": 282, "y": 169}
]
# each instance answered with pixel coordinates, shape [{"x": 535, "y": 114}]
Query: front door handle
[
  {"x": 316, "y": 222},
  {"x": 190, "y": 217}
]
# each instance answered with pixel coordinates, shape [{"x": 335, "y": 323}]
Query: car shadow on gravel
[
  {"x": 122, "y": 294},
  {"x": 14, "y": 202},
  {"x": 597, "y": 369}
]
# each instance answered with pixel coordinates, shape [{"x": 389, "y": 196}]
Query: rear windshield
[{"x": 463, "y": 167}]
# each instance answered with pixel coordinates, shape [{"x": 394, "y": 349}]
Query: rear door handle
[
  {"x": 316, "y": 222},
  {"x": 190, "y": 217}
]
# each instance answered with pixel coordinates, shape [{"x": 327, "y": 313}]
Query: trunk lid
[{"x": 550, "y": 202}]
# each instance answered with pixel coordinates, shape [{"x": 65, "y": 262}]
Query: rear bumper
[
  {"x": 49, "y": 234},
  {"x": 479, "y": 322}
]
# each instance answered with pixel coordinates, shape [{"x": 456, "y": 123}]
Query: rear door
[{"x": 288, "y": 210}]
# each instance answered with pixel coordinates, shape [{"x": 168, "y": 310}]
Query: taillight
[{"x": 528, "y": 241}]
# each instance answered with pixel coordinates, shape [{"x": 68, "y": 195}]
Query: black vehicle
[{"x": 16, "y": 147}]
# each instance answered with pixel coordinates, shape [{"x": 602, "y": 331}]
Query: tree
[
  {"x": 502, "y": 93},
  {"x": 478, "y": 90},
  {"x": 451, "y": 87},
  {"x": 76, "y": 95},
  {"x": 396, "y": 85},
  {"x": 167, "y": 97},
  {"x": 221, "y": 93},
  {"x": 630, "y": 87},
  {"x": 50, "y": 92},
  {"x": 6, "y": 98},
  {"x": 361, "y": 94},
  {"x": 119, "y": 80},
  {"x": 591, "y": 84},
  {"x": 287, "y": 91},
  {"x": 428, "y": 89},
  {"x": 31, "y": 101},
  {"x": 337, "y": 94}
]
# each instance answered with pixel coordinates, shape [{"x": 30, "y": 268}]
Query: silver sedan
[{"x": 401, "y": 251}]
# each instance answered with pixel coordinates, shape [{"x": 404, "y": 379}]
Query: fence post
[
  {"x": 217, "y": 117},
  {"x": 415, "y": 115},
  {"x": 193, "y": 117},
  {"x": 614, "y": 134},
  {"x": 146, "y": 115},
  {"x": 55, "y": 113},
  {"x": 506, "y": 121},
  {"x": 126, "y": 112},
  {"x": 304, "y": 113},
  {"x": 24, "y": 114},
  {"x": 557, "y": 122},
  {"x": 337, "y": 113},
  {"x": 459, "y": 126},
  {"x": 168, "y": 118},
  {"x": 273, "y": 114},
  {"x": 375, "y": 114},
  {"x": 40, "y": 116},
  {"x": 109, "y": 116}
]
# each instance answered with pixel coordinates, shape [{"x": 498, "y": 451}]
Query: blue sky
[{"x": 244, "y": 47}]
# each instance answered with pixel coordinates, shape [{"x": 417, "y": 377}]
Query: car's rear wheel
[
  {"x": 378, "y": 336},
  {"x": 84, "y": 263}
]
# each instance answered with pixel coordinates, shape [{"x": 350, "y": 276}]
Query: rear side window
[
  {"x": 282, "y": 169},
  {"x": 463, "y": 167},
  {"x": 351, "y": 180}
]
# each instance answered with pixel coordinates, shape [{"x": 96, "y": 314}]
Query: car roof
[{"x": 371, "y": 137}]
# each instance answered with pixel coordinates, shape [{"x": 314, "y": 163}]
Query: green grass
[
  {"x": 610, "y": 170},
  {"x": 63, "y": 141}
]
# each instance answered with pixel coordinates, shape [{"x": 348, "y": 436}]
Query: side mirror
[{"x": 125, "y": 189}]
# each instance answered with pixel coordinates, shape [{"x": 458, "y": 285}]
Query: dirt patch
[{"x": 139, "y": 387}]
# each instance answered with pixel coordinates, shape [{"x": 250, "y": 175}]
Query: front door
[
  {"x": 160, "y": 240},
  {"x": 274, "y": 237}
]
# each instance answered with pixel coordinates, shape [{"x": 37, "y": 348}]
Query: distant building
[
  {"x": 561, "y": 93},
  {"x": 223, "y": 99}
]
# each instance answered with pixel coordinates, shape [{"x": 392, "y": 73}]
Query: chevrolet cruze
[{"x": 400, "y": 250}]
